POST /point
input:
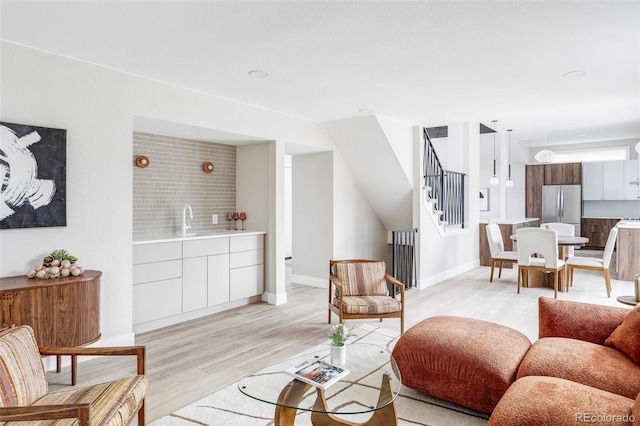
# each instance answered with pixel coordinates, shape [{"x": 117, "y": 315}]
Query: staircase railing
[
  {"x": 447, "y": 187},
  {"x": 405, "y": 267}
]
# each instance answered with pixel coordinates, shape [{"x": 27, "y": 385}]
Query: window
[{"x": 587, "y": 155}]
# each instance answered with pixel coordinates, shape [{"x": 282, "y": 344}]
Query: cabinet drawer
[
  {"x": 246, "y": 282},
  {"x": 208, "y": 247},
  {"x": 246, "y": 258},
  {"x": 247, "y": 242},
  {"x": 157, "y": 271},
  {"x": 158, "y": 299},
  {"x": 159, "y": 252}
]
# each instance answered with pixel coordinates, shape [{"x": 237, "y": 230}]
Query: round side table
[{"x": 627, "y": 300}]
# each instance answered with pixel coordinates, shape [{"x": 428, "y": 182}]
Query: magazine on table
[{"x": 317, "y": 373}]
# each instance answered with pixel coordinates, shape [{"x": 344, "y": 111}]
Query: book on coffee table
[{"x": 317, "y": 373}]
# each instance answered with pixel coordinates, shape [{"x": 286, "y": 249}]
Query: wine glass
[
  {"x": 235, "y": 217},
  {"x": 243, "y": 217},
  {"x": 229, "y": 218}
]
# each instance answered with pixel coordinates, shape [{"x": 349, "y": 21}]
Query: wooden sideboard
[{"x": 61, "y": 311}]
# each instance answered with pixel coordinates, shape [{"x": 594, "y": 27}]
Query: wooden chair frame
[
  {"x": 339, "y": 311},
  {"x": 492, "y": 230},
  {"x": 78, "y": 411},
  {"x": 498, "y": 260}
]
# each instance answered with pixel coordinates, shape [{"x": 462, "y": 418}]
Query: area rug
[{"x": 229, "y": 407}]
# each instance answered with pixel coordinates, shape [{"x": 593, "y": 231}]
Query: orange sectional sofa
[{"x": 583, "y": 368}]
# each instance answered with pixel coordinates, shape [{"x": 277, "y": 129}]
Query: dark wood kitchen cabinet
[
  {"x": 563, "y": 174},
  {"x": 534, "y": 179},
  {"x": 537, "y": 175},
  {"x": 597, "y": 231}
]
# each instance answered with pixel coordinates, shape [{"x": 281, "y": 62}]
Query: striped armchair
[
  {"x": 359, "y": 289},
  {"x": 24, "y": 396}
]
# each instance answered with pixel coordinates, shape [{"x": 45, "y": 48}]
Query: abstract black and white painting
[
  {"x": 33, "y": 176},
  {"x": 484, "y": 199}
]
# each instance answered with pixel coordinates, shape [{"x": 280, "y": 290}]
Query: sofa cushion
[
  {"x": 576, "y": 320},
  {"x": 112, "y": 403},
  {"x": 535, "y": 400},
  {"x": 362, "y": 278},
  {"x": 463, "y": 360},
  {"x": 626, "y": 337},
  {"x": 22, "y": 376},
  {"x": 594, "y": 365}
]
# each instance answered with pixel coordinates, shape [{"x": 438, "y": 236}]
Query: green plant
[
  {"x": 61, "y": 254},
  {"x": 340, "y": 334}
]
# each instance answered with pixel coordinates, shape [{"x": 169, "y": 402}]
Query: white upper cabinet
[
  {"x": 592, "y": 181},
  {"x": 631, "y": 174},
  {"x": 603, "y": 180}
]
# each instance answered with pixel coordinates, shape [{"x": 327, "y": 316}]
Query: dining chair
[
  {"x": 496, "y": 246},
  {"x": 562, "y": 229},
  {"x": 543, "y": 243},
  {"x": 594, "y": 263}
]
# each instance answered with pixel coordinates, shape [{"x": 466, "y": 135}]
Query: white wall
[
  {"x": 360, "y": 235},
  {"x": 96, "y": 106},
  {"x": 400, "y": 137},
  {"x": 370, "y": 155},
  {"x": 503, "y": 202},
  {"x": 312, "y": 216},
  {"x": 288, "y": 217}
]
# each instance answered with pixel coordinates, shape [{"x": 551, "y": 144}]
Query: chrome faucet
[{"x": 185, "y": 224}]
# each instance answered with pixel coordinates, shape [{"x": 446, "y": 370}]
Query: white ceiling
[{"x": 420, "y": 63}]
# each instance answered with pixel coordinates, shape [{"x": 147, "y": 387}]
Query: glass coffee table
[{"x": 370, "y": 389}]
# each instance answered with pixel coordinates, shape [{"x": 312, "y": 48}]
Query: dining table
[{"x": 541, "y": 279}]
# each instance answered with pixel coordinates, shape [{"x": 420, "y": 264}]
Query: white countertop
[
  {"x": 165, "y": 238},
  {"x": 628, "y": 224},
  {"x": 510, "y": 220}
]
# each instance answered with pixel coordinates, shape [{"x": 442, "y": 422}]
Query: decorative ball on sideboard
[{"x": 58, "y": 263}]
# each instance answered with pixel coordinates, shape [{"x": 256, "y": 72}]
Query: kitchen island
[
  {"x": 178, "y": 278},
  {"x": 627, "y": 249},
  {"x": 508, "y": 227}
]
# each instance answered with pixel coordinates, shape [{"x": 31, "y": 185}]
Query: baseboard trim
[
  {"x": 274, "y": 298},
  {"x": 310, "y": 281}
]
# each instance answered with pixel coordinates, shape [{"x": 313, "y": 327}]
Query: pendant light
[
  {"x": 509, "y": 182},
  {"x": 545, "y": 156},
  {"x": 494, "y": 179},
  {"x": 638, "y": 147}
]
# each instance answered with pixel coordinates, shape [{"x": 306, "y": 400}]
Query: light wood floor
[{"x": 191, "y": 360}]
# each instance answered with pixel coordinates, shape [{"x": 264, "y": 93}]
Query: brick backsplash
[{"x": 174, "y": 178}]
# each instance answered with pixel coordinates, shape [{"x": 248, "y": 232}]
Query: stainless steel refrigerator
[{"x": 562, "y": 203}]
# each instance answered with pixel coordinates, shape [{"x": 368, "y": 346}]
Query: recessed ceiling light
[
  {"x": 258, "y": 74},
  {"x": 366, "y": 111},
  {"x": 574, "y": 74},
  {"x": 582, "y": 136}
]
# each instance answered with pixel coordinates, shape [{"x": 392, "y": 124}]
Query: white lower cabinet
[
  {"x": 157, "y": 299},
  {"x": 194, "y": 283},
  {"x": 186, "y": 279},
  {"x": 246, "y": 266},
  {"x": 247, "y": 281},
  {"x": 218, "y": 279}
]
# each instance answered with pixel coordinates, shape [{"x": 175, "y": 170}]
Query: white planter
[{"x": 339, "y": 355}]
